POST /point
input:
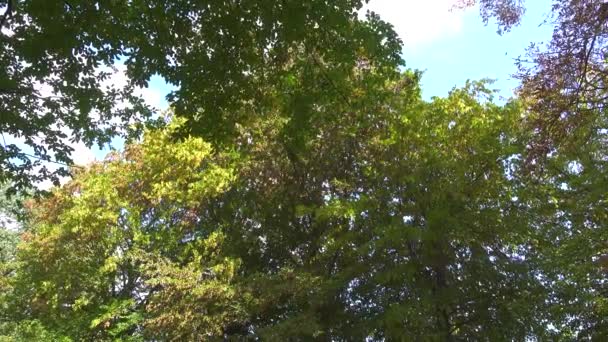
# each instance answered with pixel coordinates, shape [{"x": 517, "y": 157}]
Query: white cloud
[
  {"x": 419, "y": 22},
  {"x": 82, "y": 155},
  {"x": 153, "y": 97},
  {"x": 118, "y": 79}
]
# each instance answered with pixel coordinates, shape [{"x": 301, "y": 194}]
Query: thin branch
[
  {"x": 586, "y": 63},
  {"x": 51, "y": 161},
  {"x": 38, "y": 157}
]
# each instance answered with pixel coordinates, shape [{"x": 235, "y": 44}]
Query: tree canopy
[
  {"x": 57, "y": 56},
  {"x": 299, "y": 187},
  {"x": 564, "y": 79},
  {"x": 409, "y": 220}
]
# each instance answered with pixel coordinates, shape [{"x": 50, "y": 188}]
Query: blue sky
[
  {"x": 472, "y": 50},
  {"x": 449, "y": 46}
]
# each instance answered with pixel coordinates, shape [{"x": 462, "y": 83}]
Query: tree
[
  {"x": 56, "y": 59},
  {"x": 383, "y": 218},
  {"x": 563, "y": 89},
  {"x": 97, "y": 281},
  {"x": 12, "y": 220},
  {"x": 564, "y": 80},
  {"x": 327, "y": 201}
]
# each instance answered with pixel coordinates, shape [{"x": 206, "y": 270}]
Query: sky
[{"x": 449, "y": 45}]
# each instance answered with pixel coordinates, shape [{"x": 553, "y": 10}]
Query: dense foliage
[
  {"x": 406, "y": 220},
  {"x": 300, "y": 187},
  {"x": 56, "y": 60}
]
